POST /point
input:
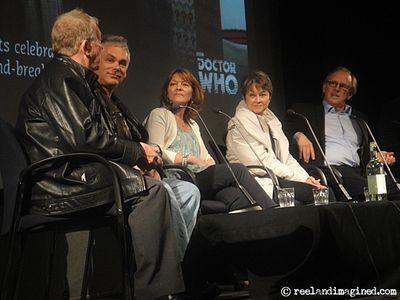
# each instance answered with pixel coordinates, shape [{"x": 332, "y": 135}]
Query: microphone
[
  {"x": 270, "y": 173},
  {"x": 291, "y": 112},
  {"x": 377, "y": 146},
  {"x": 253, "y": 204},
  {"x": 175, "y": 107}
]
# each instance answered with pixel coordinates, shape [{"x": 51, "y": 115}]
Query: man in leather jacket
[{"x": 62, "y": 112}]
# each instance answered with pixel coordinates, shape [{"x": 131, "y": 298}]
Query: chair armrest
[
  {"x": 339, "y": 175},
  {"x": 267, "y": 174},
  {"x": 261, "y": 168},
  {"x": 32, "y": 173}
]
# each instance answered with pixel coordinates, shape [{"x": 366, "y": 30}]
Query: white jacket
[
  {"x": 254, "y": 128},
  {"x": 162, "y": 128}
]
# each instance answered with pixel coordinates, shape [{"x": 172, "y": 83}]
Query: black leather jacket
[{"x": 64, "y": 112}]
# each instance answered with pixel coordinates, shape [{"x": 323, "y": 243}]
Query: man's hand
[
  {"x": 389, "y": 157},
  {"x": 150, "y": 158},
  {"x": 306, "y": 149},
  {"x": 151, "y": 173}
]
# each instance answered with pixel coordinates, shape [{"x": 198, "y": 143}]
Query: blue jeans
[{"x": 185, "y": 203}]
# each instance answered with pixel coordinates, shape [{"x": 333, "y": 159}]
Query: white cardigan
[
  {"x": 281, "y": 163},
  {"x": 162, "y": 128}
]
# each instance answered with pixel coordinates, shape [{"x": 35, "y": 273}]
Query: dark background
[
  {"x": 313, "y": 37},
  {"x": 150, "y": 27},
  {"x": 296, "y": 42},
  {"x": 299, "y": 42}
]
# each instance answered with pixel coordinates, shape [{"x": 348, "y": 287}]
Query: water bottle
[{"x": 376, "y": 176}]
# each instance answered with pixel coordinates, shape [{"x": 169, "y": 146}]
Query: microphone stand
[
  {"x": 253, "y": 204},
  {"x": 344, "y": 191},
  {"x": 379, "y": 149},
  {"x": 269, "y": 172}
]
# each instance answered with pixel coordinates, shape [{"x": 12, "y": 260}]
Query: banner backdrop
[{"x": 207, "y": 37}]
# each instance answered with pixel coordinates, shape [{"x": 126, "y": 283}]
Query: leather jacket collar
[{"x": 82, "y": 71}]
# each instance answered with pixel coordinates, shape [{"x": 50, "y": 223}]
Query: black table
[{"x": 340, "y": 245}]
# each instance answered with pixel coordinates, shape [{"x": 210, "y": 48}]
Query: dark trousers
[
  {"x": 158, "y": 269},
  {"x": 354, "y": 182},
  {"x": 217, "y": 183}
]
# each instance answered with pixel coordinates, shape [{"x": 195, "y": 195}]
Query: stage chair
[{"x": 18, "y": 223}]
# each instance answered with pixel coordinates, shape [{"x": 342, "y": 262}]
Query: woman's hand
[
  {"x": 193, "y": 160},
  {"x": 315, "y": 182}
]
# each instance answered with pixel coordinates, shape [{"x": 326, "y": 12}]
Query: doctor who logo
[{"x": 216, "y": 75}]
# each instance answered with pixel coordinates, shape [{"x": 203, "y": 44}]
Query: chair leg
[
  {"x": 11, "y": 273},
  {"x": 125, "y": 254},
  {"x": 52, "y": 250},
  {"x": 87, "y": 271}
]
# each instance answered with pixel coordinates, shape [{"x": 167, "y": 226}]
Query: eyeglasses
[{"x": 342, "y": 86}]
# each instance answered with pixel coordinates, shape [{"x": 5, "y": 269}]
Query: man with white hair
[{"x": 62, "y": 113}]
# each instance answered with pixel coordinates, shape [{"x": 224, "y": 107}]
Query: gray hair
[
  {"x": 117, "y": 40},
  {"x": 354, "y": 83}
]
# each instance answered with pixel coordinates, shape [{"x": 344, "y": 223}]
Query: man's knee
[
  {"x": 186, "y": 193},
  {"x": 156, "y": 192},
  {"x": 189, "y": 189},
  {"x": 154, "y": 185}
]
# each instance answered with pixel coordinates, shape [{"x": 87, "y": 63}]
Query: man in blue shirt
[{"x": 344, "y": 140}]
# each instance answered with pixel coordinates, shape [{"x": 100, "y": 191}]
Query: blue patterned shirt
[{"x": 342, "y": 137}]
